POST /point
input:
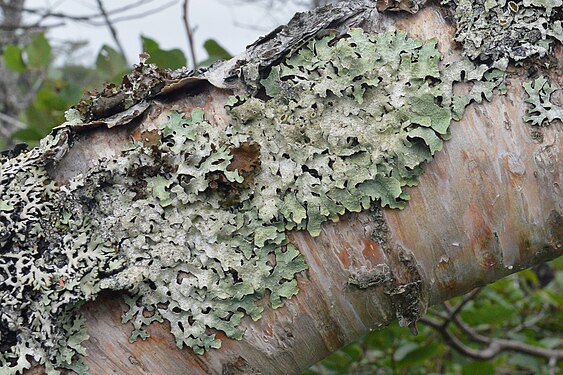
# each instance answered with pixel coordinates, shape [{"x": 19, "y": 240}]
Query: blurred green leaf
[
  {"x": 13, "y": 58},
  {"x": 379, "y": 339},
  {"x": 168, "y": 59},
  {"x": 404, "y": 349},
  {"x": 110, "y": 64},
  {"x": 214, "y": 52},
  {"x": 28, "y": 135},
  {"x": 419, "y": 355},
  {"x": 337, "y": 362},
  {"x": 354, "y": 351},
  {"x": 488, "y": 313},
  {"x": 38, "y": 52},
  {"x": 478, "y": 367},
  {"x": 48, "y": 100},
  {"x": 551, "y": 342},
  {"x": 525, "y": 361}
]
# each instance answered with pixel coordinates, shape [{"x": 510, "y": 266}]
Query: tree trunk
[{"x": 488, "y": 205}]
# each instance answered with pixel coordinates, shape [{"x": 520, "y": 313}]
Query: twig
[
  {"x": 46, "y": 13},
  {"x": 15, "y": 122},
  {"x": 91, "y": 19},
  {"x": 112, "y": 30},
  {"x": 552, "y": 365},
  {"x": 494, "y": 346},
  {"x": 31, "y": 27},
  {"x": 453, "y": 341},
  {"x": 141, "y": 14},
  {"x": 466, "y": 298},
  {"x": 189, "y": 32}
]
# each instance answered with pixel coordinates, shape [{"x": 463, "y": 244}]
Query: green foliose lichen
[
  {"x": 192, "y": 221},
  {"x": 351, "y": 121},
  {"x": 491, "y": 29},
  {"x": 542, "y": 109}
]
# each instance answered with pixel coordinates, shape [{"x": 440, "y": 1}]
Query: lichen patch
[
  {"x": 492, "y": 29},
  {"x": 543, "y": 109},
  {"x": 191, "y": 220}
]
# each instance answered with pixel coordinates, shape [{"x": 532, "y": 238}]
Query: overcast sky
[{"x": 221, "y": 20}]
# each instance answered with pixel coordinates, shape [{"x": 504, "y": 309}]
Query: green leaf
[
  {"x": 419, "y": 355},
  {"x": 403, "y": 350},
  {"x": 27, "y": 135},
  {"x": 110, "y": 63},
  {"x": 478, "y": 367},
  {"x": 214, "y": 52},
  {"x": 525, "y": 361},
  {"x": 168, "y": 59},
  {"x": 13, "y": 58},
  {"x": 354, "y": 351},
  {"x": 48, "y": 100},
  {"x": 38, "y": 52},
  {"x": 214, "y": 49},
  {"x": 488, "y": 313}
]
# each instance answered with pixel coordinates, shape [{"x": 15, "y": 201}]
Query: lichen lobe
[{"x": 543, "y": 108}]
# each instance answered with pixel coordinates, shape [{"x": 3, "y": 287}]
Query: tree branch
[
  {"x": 189, "y": 32},
  {"x": 112, "y": 29},
  {"x": 468, "y": 297},
  {"x": 494, "y": 345}
]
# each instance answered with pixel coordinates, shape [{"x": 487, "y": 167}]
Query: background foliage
[
  {"x": 524, "y": 307},
  {"x": 60, "y": 87}
]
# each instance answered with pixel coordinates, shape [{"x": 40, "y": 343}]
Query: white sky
[{"x": 212, "y": 19}]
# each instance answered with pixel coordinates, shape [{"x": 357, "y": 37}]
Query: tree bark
[{"x": 488, "y": 205}]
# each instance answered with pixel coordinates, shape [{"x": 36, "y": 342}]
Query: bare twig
[
  {"x": 466, "y": 298},
  {"x": 141, "y": 14},
  {"x": 494, "y": 346},
  {"x": 552, "y": 365},
  {"x": 92, "y": 19},
  {"x": 112, "y": 30},
  {"x": 31, "y": 27},
  {"x": 47, "y": 13},
  {"x": 13, "y": 121},
  {"x": 189, "y": 32}
]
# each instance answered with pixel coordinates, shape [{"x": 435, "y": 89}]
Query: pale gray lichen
[
  {"x": 491, "y": 29},
  {"x": 191, "y": 221},
  {"x": 543, "y": 110},
  {"x": 370, "y": 104},
  {"x": 45, "y": 270}
]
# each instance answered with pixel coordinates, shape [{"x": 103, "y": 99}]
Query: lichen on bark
[
  {"x": 492, "y": 29},
  {"x": 191, "y": 220},
  {"x": 543, "y": 109}
]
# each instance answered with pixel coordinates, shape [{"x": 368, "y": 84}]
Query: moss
[
  {"x": 191, "y": 222},
  {"x": 492, "y": 29}
]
